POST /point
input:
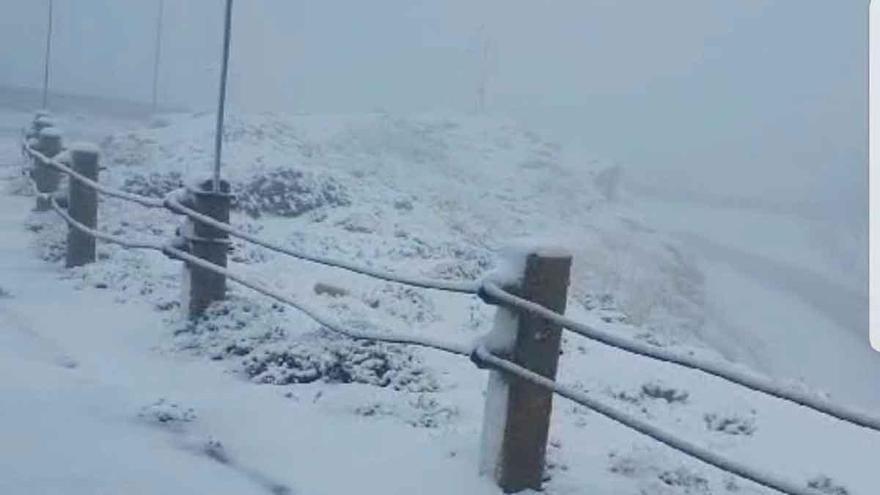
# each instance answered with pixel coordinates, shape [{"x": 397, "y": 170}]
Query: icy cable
[
  {"x": 175, "y": 206},
  {"x": 100, "y": 235},
  {"x": 442, "y": 285},
  {"x": 391, "y": 338},
  {"x": 107, "y": 191},
  {"x": 670, "y": 439},
  {"x": 482, "y": 356},
  {"x": 492, "y": 293}
]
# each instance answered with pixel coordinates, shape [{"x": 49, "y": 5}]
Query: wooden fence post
[
  {"x": 516, "y": 422},
  {"x": 45, "y": 177},
  {"x": 208, "y": 243},
  {"x": 82, "y": 204}
]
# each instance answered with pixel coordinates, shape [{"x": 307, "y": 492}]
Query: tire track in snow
[
  {"x": 17, "y": 333},
  {"x": 843, "y": 306}
]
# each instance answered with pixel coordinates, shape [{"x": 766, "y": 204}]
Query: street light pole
[
  {"x": 221, "y": 106},
  {"x": 157, "y": 54},
  {"x": 47, "y": 56}
]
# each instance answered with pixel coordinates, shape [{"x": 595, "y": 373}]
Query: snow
[
  {"x": 122, "y": 394},
  {"x": 84, "y": 147},
  {"x": 51, "y": 132}
]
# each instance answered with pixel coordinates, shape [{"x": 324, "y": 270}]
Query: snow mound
[{"x": 437, "y": 194}]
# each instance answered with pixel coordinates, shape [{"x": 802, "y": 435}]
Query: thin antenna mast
[{"x": 221, "y": 106}]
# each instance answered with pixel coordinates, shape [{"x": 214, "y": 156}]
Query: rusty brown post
[{"x": 517, "y": 417}]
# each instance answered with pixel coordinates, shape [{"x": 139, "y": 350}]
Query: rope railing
[
  {"x": 489, "y": 291},
  {"x": 107, "y": 191},
  {"x": 389, "y": 338},
  {"x": 480, "y": 352},
  {"x": 493, "y": 292},
  {"x": 665, "y": 437},
  {"x": 176, "y": 206},
  {"x": 442, "y": 285},
  {"x": 99, "y": 235}
]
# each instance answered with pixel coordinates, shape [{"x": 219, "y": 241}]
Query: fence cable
[
  {"x": 443, "y": 285},
  {"x": 491, "y": 292},
  {"x": 107, "y": 191},
  {"x": 667, "y": 438},
  {"x": 390, "y": 338},
  {"x": 480, "y": 353},
  {"x": 470, "y": 287},
  {"x": 97, "y": 234}
]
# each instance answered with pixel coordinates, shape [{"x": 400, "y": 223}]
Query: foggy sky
[{"x": 761, "y": 98}]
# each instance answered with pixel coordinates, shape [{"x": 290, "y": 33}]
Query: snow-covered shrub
[
  {"x": 686, "y": 481},
  {"x": 730, "y": 424},
  {"x": 653, "y": 390},
  {"x": 154, "y": 184},
  {"x": 824, "y": 484},
  {"x": 656, "y": 390},
  {"x": 129, "y": 149},
  {"x": 167, "y": 412},
  {"x": 405, "y": 303},
  {"x": 288, "y": 192},
  {"x": 339, "y": 361}
]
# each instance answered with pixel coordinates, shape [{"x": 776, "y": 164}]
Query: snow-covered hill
[{"x": 439, "y": 195}]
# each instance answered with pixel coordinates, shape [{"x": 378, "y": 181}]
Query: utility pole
[
  {"x": 158, "y": 55},
  {"x": 221, "y": 106},
  {"x": 484, "y": 56},
  {"x": 47, "y": 56}
]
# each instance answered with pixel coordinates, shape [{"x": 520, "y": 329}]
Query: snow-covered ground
[{"x": 108, "y": 389}]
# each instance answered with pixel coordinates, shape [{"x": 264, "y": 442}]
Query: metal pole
[
  {"x": 158, "y": 55},
  {"x": 47, "y": 56},
  {"x": 221, "y": 107}
]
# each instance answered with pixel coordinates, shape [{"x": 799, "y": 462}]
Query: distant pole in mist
[
  {"x": 157, "y": 54},
  {"x": 47, "y": 56},
  {"x": 221, "y": 106},
  {"x": 484, "y": 55}
]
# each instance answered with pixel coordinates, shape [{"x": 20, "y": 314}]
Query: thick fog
[{"x": 757, "y": 99}]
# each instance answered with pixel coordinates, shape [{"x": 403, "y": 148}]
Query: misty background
[{"x": 759, "y": 102}]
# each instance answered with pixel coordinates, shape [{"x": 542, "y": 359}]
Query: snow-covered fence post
[
  {"x": 45, "y": 177},
  {"x": 516, "y": 421},
  {"x": 203, "y": 286},
  {"x": 42, "y": 119},
  {"x": 82, "y": 204}
]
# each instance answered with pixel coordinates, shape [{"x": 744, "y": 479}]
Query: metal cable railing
[
  {"x": 491, "y": 293},
  {"x": 480, "y": 352},
  {"x": 667, "y": 438},
  {"x": 107, "y": 191},
  {"x": 442, "y": 285},
  {"x": 175, "y": 206},
  {"x": 389, "y": 337}
]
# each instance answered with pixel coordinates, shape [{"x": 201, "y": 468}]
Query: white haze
[{"x": 761, "y": 100}]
